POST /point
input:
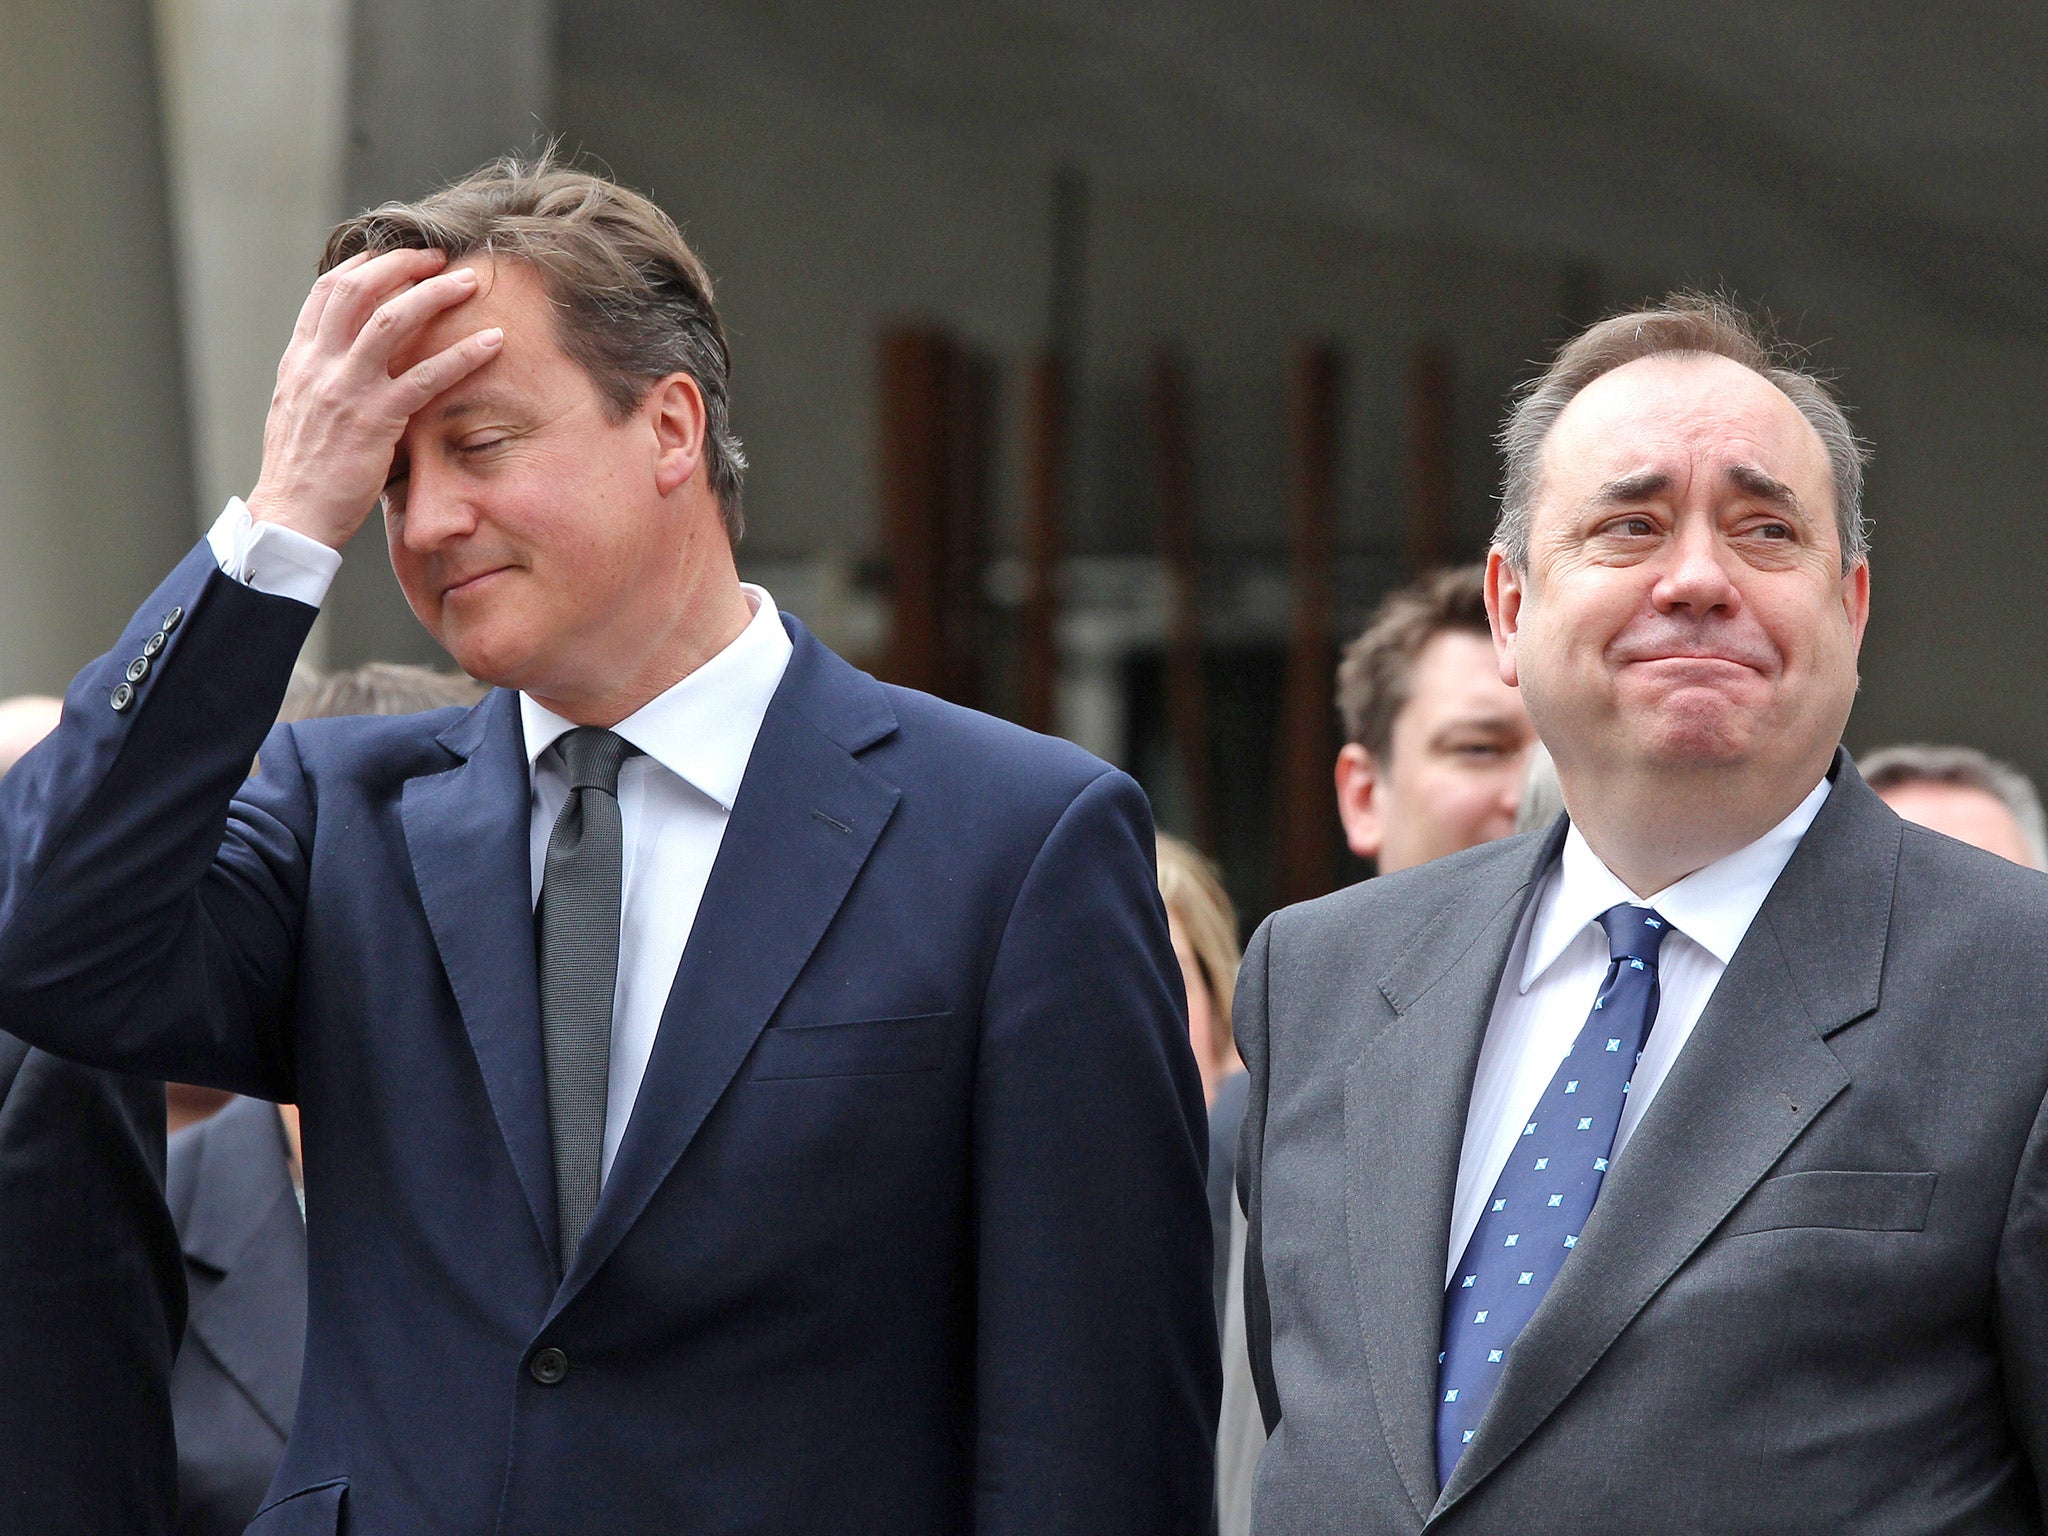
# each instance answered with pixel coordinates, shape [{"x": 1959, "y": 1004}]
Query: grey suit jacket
[
  {"x": 236, "y": 1384},
  {"x": 1814, "y": 1293}
]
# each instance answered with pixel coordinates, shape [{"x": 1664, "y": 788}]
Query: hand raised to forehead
[{"x": 337, "y": 413}]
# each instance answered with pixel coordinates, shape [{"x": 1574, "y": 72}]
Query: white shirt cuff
[{"x": 273, "y": 559}]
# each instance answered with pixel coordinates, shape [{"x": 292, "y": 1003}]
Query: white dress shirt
[
  {"x": 674, "y": 799},
  {"x": 1554, "y": 972}
]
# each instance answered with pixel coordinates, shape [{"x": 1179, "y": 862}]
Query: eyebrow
[
  {"x": 1767, "y": 488},
  {"x": 1488, "y": 722},
  {"x": 471, "y": 405},
  {"x": 1745, "y": 477},
  {"x": 1640, "y": 486}
]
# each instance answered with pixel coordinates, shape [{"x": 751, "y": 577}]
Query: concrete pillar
[
  {"x": 95, "y": 480},
  {"x": 286, "y": 115},
  {"x": 255, "y": 104}
]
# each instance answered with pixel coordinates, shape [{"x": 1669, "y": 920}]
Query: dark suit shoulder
[
  {"x": 1387, "y": 912},
  {"x": 2000, "y": 891},
  {"x": 376, "y": 745},
  {"x": 997, "y": 752},
  {"x": 1953, "y": 897},
  {"x": 224, "y": 1175}
]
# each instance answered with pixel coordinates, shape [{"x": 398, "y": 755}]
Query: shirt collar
[
  {"x": 1713, "y": 906},
  {"x": 703, "y": 728}
]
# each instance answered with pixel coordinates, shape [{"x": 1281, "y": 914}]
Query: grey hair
[
  {"x": 1685, "y": 324},
  {"x": 1966, "y": 768}
]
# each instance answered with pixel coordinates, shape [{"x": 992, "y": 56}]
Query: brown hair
[
  {"x": 1192, "y": 888},
  {"x": 382, "y": 688},
  {"x": 633, "y": 302},
  {"x": 1695, "y": 324},
  {"x": 1373, "y": 677}
]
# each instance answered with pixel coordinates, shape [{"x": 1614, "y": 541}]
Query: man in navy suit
[
  {"x": 91, "y": 1302},
  {"x": 736, "y": 1096},
  {"x": 91, "y": 1298}
]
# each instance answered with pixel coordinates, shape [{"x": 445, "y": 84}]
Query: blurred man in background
[
  {"x": 1434, "y": 761},
  {"x": 236, "y": 1191},
  {"x": 91, "y": 1298},
  {"x": 1960, "y": 791},
  {"x": 1434, "y": 740}
]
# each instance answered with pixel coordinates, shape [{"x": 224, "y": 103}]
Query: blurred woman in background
[
  {"x": 1204, "y": 928},
  {"x": 1203, "y": 925}
]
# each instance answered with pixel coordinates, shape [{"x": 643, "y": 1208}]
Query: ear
[
  {"x": 1361, "y": 794},
  {"x": 1856, "y": 600},
  {"x": 1504, "y": 590},
  {"x": 675, "y": 410}
]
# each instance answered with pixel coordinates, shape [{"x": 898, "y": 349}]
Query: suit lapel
[
  {"x": 245, "y": 1225},
  {"x": 1755, "y": 1073},
  {"x": 807, "y": 815},
  {"x": 468, "y": 830},
  {"x": 1405, "y": 1100}
]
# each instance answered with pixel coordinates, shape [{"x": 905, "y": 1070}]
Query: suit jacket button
[
  {"x": 171, "y": 620},
  {"x": 549, "y": 1366},
  {"x": 121, "y": 697},
  {"x": 153, "y": 644},
  {"x": 138, "y": 669}
]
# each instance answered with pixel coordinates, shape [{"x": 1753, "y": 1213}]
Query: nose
[
  {"x": 1696, "y": 578},
  {"x": 434, "y": 509}
]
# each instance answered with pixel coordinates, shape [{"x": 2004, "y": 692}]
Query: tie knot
[
  {"x": 593, "y": 757},
  {"x": 1633, "y": 933}
]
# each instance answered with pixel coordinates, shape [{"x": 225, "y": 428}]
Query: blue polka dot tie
[{"x": 1545, "y": 1193}]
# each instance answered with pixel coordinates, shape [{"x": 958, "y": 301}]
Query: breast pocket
[
  {"x": 1840, "y": 1199},
  {"x": 315, "y": 1511},
  {"x": 856, "y": 1048}
]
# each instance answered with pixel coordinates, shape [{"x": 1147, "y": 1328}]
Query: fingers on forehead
[{"x": 448, "y": 367}]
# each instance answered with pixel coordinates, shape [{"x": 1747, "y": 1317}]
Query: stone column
[
  {"x": 95, "y": 480},
  {"x": 286, "y": 115}
]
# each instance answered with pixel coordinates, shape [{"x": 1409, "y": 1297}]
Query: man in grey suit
[{"x": 1685, "y": 1167}]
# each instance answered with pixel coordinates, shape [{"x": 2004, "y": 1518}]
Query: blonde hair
[{"x": 1192, "y": 888}]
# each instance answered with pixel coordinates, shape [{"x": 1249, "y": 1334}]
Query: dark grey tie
[{"x": 579, "y": 969}]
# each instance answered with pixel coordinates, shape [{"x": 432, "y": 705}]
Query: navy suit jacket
[
  {"x": 91, "y": 1302},
  {"x": 907, "y": 1233},
  {"x": 229, "y": 1187}
]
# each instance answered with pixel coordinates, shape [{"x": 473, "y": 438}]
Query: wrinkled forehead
[{"x": 1679, "y": 416}]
